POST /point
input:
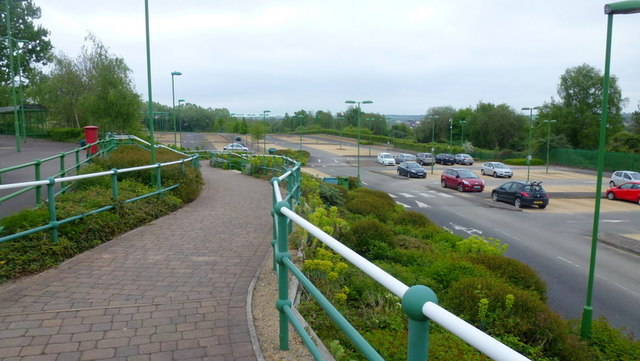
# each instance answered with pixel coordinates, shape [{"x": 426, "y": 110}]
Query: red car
[
  {"x": 462, "y": 180},
  {"x": 629, "y": 191}
]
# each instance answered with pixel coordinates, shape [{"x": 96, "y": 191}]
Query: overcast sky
[{"x": 404, "y": 55}]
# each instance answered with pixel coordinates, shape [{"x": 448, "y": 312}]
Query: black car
[
  {"x": 445, "y": 158},
  {"x": 522, "y": 194},
  {"x": 411, "y": 169}
]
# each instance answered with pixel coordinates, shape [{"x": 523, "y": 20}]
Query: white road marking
[
  {"x": 467, "y": 230},
  {"x": 426, "y": 195},
  {"x": 628, "y": 290},
  {"x": 442, "y": 194},
  {"x": 569, "y": 262},
  {"x": 363, "y": 183},
  {"x": 392, "y": 195},
  {"x": 407, "y": 195},
  {"x": 422, "y": 205},
  {"x": 404, "y": 205}
]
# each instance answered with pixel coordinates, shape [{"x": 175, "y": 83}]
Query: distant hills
[{"x": 404, "y": 118}]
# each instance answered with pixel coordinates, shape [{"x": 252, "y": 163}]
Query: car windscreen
[{"x": 467, "y": 174}]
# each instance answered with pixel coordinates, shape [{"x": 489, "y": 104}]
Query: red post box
[{"x": 91, "y": 136}]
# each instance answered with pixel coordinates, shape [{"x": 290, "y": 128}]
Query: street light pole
[
  {"x": 300, "y": 116},
  {"x": 433, "y": 126},
  {"x": 358, "y": 126},
  {"x": 180, "y": 101},
  {"x": 529, "y": 142},
  {"x": 622, "y": 7},
  {"x": 150, "y": 110},
  {"x": 173, "y": 97},
  {"x": 548, "y": 140},
  {"x": 16, "y": 122},
  {"x": 264, "y": 120},
  {"x": 450, "y": 133}
]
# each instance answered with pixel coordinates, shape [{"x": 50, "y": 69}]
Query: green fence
[{"x": 589, "y": 159}]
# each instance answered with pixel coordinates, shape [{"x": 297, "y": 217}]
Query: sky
[{"x": 404, "y": 55}]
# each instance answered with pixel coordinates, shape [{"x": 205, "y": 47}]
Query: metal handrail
[{"x": 418, "y": 302}]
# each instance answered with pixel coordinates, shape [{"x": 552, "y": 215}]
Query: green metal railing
[
  {"x": 104, "y": 146},
  {"x": 418, "y": 302},
  {"x": 55, "y": 223}
]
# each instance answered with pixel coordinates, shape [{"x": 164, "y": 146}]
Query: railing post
[
  {"x": 282, "y": 251},
  {"x": 114, "y": 184},
  {"x": 77, "y": 159},
  {"x": 36, "y": 166},
  {"x": 62, "y": 172},
  {"x": 158, "y": 179},
  {"x": 182, "y": 166},
  {"x": 274, "y": 240},
  {"x": 51, "y": 196},
  {"x": 412, "y": 302}
]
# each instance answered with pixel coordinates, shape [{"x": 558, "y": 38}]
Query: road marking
[
  {"x": 442, "y": 194},
  {"x": 404, "y": 205},
  {"x": 407, "y": 195},
  {"x": 426, "y": 195},
  {"x": 363, "y": 183},
  {"x": 569, "y": 262},
  {"x": 392, "y": 195},
  {"x": 422, "y": 205},
  {"x": 467, "y": 230},
  {"x": 319, "y": 160},
  {"x": 628, "y": 290}
]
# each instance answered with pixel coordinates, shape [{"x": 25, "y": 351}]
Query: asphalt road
[{"x": 557, "y": 245}]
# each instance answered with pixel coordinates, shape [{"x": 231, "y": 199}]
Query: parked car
[
  {"x": 463, "y": 159},
  {"x": 461, "y": 179},
  {"x": 403, "y": 157},
  {"x": 386, "y": 159},
  {"x": 623, "y": 176},
  {"x": 425, "y": 158},
  {"x": 236, "y": 147},
  {"x": 411, "y": 169},
  {"x": 496, "y": 169},
  {"x": 522, "y": 194},
  {"x": 445, "y": 158},
  {"x": 629, "y": 191}
]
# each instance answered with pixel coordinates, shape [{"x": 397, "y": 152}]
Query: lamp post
[
  {"x": 548, "y": 140},
  {"x": 12, "y": 75},
  {"x": 450, "y": 133},
  {"x": 622, "y": 7},
  {"x": 301, "y": 117},
  {"x": 433, "y": 126},
  {"x": 173, "y": 97},
  {"x": 24, "y": 118},
  {"x": 529, "y": 141},
  {"x": 180, "y": 101},
  {"x": 462, "y": 122},
  {"x": 264, "y": 120},
  {"x": 150, "y": 110},
  {"x": 358, "y": 125}
]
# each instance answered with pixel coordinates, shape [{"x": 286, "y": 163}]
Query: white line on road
[
  {"x": 628, "y": 290},
  {"x": 404, "y": 205},
  {"x": 407, "y": 195},
  {"x": 569, "y": 262},
  {"x": 422, "y": 205},
  {"x": 426, "y": 195},
  {"x": 442, "y": 194}
]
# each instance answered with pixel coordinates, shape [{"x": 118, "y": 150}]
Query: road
[{"x": 555, "y": 244}]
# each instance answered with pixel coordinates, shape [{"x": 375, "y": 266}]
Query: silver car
[
  {"x": 623, "y": 176},
  {"x": 496, "y": 169}
]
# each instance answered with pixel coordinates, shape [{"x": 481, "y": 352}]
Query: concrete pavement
[{"x": 175, "y": 289}]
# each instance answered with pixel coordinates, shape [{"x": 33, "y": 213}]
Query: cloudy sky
[{"x": 404, "y": 55}]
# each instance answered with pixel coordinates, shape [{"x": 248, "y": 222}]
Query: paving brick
[{"x": 98, "y": 354}]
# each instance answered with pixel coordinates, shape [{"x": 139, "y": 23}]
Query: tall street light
[
  {"x": 264, "y": 120},
  {"x": 358, "y": 125},
  {"x": 433, "y": 126},
  {"x": 622, "y": 7},
  {"x": 301, "y": 117},
  {"x": 150, "y": 110},
  {"x": 180, "y": 101},
  {"x": 450, "y": 133},
  {"x": 12, "y": 75},
  {"x": 173, "y": 97},
  {"x": 548, "y": 140},
  {"x": 529, "y": 142}
]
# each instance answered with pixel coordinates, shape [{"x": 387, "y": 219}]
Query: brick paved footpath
[{"x": 175, "y": 289}]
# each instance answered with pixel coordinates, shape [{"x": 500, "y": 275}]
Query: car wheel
[
  {"x": 460, "y": 189},
  {"x": 509, "y": 177},
  {"x": 611, "y": 196},
  {"x": 482, "y": 171},
  {"x": 612, "y": 184},
  {"x": 542, "y": 206},
  {"x": 517, "y": 203},
  {"x": 638, "y": 200},
  {"x": 495, "y": 175},
  {"x": 494, "y": 196},
  {"x": 443, "y": 184}
]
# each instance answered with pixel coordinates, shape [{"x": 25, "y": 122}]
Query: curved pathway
[{"x": 174, "y": 289}]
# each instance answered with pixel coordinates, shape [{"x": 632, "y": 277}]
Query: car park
[
  {"x": 463, "y": 159},
  {"x": 521, "y": 194},
  {"x": 236, "y": 147},
  {"x": 463, "y": 180},
  {"x": 496, "y": 169},
  {"x": 445, "y": 158},
  {"x": 411, "y": 169},
  {"x": 404, "y": 157},
  {"x": 386, "y": 159},
  {"x": 425, "y": 158},
  {"x": 629, "y": 191},
  {"x": 623, "y": 176}
]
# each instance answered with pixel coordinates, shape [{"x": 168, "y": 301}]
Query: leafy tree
[
  {"x": 435, "y": 123},
  {"x": 34, "y": 53},
  {"x": 578, "y": 110},
  {"x": 635, "y": 121},
  {"x": 324, "y": 120},
  {"x": 496, "y": 126}
]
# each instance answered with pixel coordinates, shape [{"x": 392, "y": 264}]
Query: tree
[
  {"x": 578, "y": 110},
  {"x": 496, "y": 126},
  {"x": 34, "y": 53},
  {"x": 435, "y": 122},
  {"x": 634, "y": 127},
  {"x": 94, "y": 89}
]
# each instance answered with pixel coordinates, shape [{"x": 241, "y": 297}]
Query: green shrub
[
  {"x": 479, "y": 245},
  {"x": 412, "y": 219},
  {"x": 367, "y": 202},
  {"x": 608, "y": 343},
  {"x": 301, "y": 156},
  {"x": 523, "y": 161},
  {"x": 369, "y": 237},
  {"x": 447, "y": 270},
  {"x": 69, "y": 135},
  {"x": 104, "y": 181},
  {"x": 332, "y": 194},
  {"x": 445, "y": 346},
  {"x": 513, "y": 271}
]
